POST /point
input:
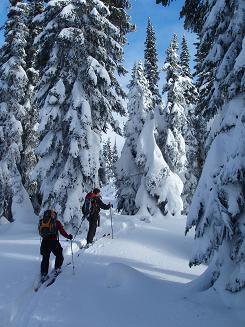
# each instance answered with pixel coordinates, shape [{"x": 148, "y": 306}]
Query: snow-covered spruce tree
[
  {"x": 30, "y": 137},
  {"x": 13, "y": 110},
  {"x": 192, "y": 172},
  {"x": 200, "y": 123},
  {"x": 217, "y": 210},
  {"x": 115, "y": 158},
  {"x": 218, "y": 207},
  {"x": 160, "y": 189},
  {"x": 171, "y": 126},
  {"x": 151, "y": 63},
  {"x": 185, "y": 60},
  {"x": 102, "y": 170},
  {"x": 193, "y": 12},
  {"x": 120, "y": 18},
  {"x": 107, "y": 156},
  {"x": 80, "y": 51},
  {"x": 110, "y": 158},
  {"x": 128, "y": 173}
]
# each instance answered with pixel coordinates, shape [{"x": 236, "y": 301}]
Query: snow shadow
[
  {"x": 144, "y": 267},
  {"x": 106, "y": 293},
  {"x": 169, "y": 241}
]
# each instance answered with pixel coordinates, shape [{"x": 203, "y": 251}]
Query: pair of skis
[
  {"x": 48, "y": 282},
  {"x": 54, "y": 275},
  {"x": 90, "y": 244},
  {"x": 86, "y": 246}
]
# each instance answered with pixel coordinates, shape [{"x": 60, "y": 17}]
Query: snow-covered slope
[{"x": 140, "y": 278}]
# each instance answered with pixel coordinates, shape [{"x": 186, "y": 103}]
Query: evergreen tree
[
  {"x": 79, "y": 51},
  {"x": 192, "y": 171},
  {"x": 102, "y": 170},
  {"x": 108, "y": 158},
  {"x": 218, "y": 206},
  {"x": 128, "y": 174},
  {"x": 198, "y": 120},
  {"x": 115, "y": 158},
  {"x": 120, "y": 18},
  {"x": 30, "y": 137},
  {"x": 160, "y": 189},
  {"x": 36, "y": 7},
  {"x": 190, "y": 91},
  {"x": 151, "y": 63},
  {"x": 193, "y": 12},
  {"x": 171, "y": 129},
  {"x": 13, "y": 110},
  {"x": 145, "y": 183},
  {"x": 185, "y": 59},
  {"x": 173, "y": 70}
]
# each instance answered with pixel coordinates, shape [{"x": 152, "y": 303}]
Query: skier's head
[
  {"x": 50, "y": 214},
  {"x": 53, "y": 214},
  {"x": 96, "y": 191}
]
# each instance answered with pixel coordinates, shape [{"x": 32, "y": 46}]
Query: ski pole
[
  {"x": 73, "y": 267},
  {"x": 111, "y": 224},
  {"x": 78, "y": 228}
]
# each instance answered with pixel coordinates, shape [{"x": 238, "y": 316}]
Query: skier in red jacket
[{"x": 49, "y": 228}]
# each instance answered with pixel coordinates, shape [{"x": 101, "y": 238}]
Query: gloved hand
[{"x": 70, "y": 237}]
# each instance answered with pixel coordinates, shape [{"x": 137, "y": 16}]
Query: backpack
[
  {"x": 47, "y": 225},
  {"x": 87, "y": 206}
]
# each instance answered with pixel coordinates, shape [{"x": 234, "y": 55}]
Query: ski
[
  {"x": 42, "y": 283},
  {"x": 53, "y": 279},
  {"x": 39, "y": 284},
  {"x": 50, "y": 280},
  {"x": 87, "y": 246}
]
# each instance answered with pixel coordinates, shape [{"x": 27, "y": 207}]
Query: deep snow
[{"x": 140, "y": 278}]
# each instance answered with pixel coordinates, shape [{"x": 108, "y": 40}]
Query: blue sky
[{"x": 166, "y": 22}]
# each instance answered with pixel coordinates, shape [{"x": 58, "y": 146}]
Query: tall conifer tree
[
  {"x": 30, "y": 121},
  {"x": 115, "y": 158},
  {"x": 171, "y": 130},
  {"x": 218, "y": 206},
  {"x": 192, "y": 171},
  {"x": 185, "y": 59},
  {"x": 128, "y": 173},
  {"x": 13, "y": 109},
  {"x": 151, "y": 63},
  {"x": 80, "y": 52},
  {"x": 107, "y": 156}
]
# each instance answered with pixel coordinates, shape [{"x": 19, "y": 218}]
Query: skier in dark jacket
[
  {"x": 50, "y": 244},
  {"x": 94, "y": 216}
]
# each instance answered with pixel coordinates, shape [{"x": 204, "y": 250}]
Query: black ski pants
[
  {"x": 48, "y": 246},
  {"x": 93, "y": 222}
]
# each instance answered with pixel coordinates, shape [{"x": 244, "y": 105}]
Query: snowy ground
[{"x": 140, "y": 278}]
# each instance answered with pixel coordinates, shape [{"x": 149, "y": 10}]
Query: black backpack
[
  {"x": 87, "y": 206},
  {"x": 47, "y": 225}
]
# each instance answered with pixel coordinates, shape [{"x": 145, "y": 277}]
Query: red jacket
[{"x": 60, "y": 228}]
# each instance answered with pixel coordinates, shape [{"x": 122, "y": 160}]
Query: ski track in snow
[
  {"x": 138, "y": 279},
  {"x": 22, "y": 308}
]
